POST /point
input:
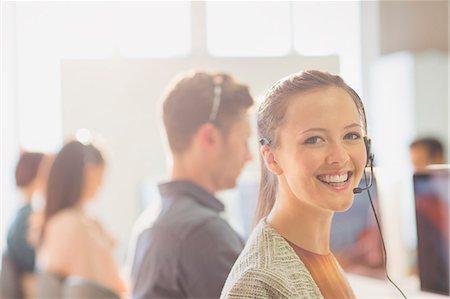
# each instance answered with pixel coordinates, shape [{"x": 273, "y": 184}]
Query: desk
[{"x": 366, "y": 287}]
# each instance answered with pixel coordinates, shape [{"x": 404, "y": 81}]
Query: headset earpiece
[{"x": 367, "y": 143}]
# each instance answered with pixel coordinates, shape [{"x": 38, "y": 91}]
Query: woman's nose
[{"x": 337, "y": 154}]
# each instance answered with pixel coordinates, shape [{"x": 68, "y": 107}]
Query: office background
[{"x": 104, "y": 65}]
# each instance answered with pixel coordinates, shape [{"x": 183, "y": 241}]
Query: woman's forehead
[{"x": 331, "y": 103}]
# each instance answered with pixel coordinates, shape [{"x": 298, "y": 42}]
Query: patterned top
[
  {"x": 268, "y": 267},
  {"x": 326, "y": 272}
]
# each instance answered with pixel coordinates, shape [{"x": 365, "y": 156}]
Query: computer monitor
[
  {"x": 355, "y": 239},
  {"x": 432, "y": 212}
]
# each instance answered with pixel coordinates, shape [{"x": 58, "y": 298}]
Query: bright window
[
  {"x": 130, "y": 30},
  {"x": 330, "y": 28},
  {"x": 248, "y": 28}
]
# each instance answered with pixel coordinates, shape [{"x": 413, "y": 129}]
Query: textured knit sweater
[{"x": 268, "y": 267}]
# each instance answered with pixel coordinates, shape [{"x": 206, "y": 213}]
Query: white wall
[
  {"x": 409, "y": 95},
  {"x": 431, "y": 94},
  {"x": 9, "y": 146},
  {"x": 37, "y": 76}
]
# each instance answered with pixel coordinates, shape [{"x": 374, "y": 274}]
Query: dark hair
[
  {"x": 271, "y": 117},
  {"x": 27, "y": 168},
  {"x": 432, "y": 145},
  {"x": 189, "y": 102},
  {"x": 65, "y": 181}
]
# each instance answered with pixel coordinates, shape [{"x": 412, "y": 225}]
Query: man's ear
[
  {"x": 207, "y": 135},
  {"x": 270, "y": 160}
]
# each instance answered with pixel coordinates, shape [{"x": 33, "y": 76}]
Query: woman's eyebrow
[
  {"x": 353, "y": 125},
  {"x": 325, "y": 130},
  {"x": 313, "y": 129}
]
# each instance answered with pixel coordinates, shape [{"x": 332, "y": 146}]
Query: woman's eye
[
  {"x": 352, "y": 136},
  {"x": 314, "y": 140}
]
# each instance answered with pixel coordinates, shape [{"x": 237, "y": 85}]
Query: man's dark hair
[
  {"x": 190, "y": 102},
  {"x": 432, "y": 145}
]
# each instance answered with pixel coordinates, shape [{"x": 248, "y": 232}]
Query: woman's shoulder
[
  {"x": 66, "y": 216},
  {"x": 268, "y": 248},
  {"x": 270, "y": 267},
  {"x": 260, "y": 282},
  {"x": 254, "y": 282},
  {"x": 76, "y": 224},
  {"x": 264, "y": 257},
  {"x": 67, "y": 222},
  {"x": 63, "y": 231}
]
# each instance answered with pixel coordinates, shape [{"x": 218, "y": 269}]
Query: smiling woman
[
  {"x": 312, "y": 128},
  {"x": 329, "y": 150}
]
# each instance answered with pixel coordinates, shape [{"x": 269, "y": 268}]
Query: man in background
[
  {"x": 426, "y": 151},
  {"x": 188, "y": 251}
]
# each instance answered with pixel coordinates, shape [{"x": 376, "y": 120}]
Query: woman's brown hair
[
  {"x": 66, "y": 178},
  {"x": 271, "y": 117}
]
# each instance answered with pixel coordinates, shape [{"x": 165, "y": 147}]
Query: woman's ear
[{"x": 270, "y": 160}]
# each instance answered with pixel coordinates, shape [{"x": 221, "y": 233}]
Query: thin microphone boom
[{"x": 358, "y": 189}]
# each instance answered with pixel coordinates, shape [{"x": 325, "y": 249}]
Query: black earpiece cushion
[{"x": 367, "y": 143}]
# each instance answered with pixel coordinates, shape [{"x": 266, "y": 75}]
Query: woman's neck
[
  {"x": 303, "y": 224},
  {"x": 192, "y": 168}
]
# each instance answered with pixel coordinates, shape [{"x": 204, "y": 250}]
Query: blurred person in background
[
  {"x": 73, "y": 243},
  {"x": 20, "y": 254},
  {"x": 189, "y": 250},
  {"x": 426, "y": 151}
]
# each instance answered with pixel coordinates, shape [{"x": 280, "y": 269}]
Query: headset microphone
[{"x": 358, "y": 189}]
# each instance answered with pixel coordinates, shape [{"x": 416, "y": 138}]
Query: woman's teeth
[{"x": 334, "y": 179}]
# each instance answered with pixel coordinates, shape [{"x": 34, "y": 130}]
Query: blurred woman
[{"x": 74, "y": 244}]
